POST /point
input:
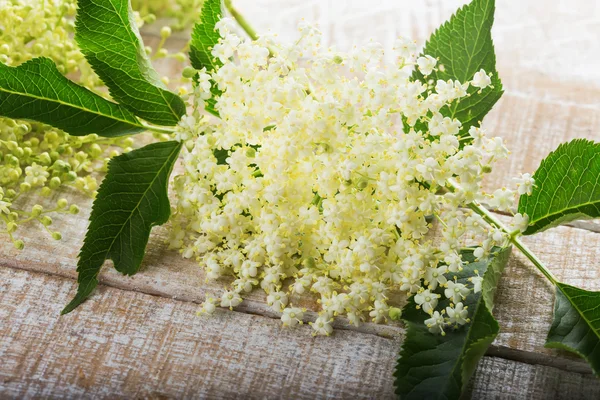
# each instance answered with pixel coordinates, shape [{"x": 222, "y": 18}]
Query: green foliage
[
  {"x": 109, "y": 39},
  {"x": 37, "y": 91},
  {"x": 205, "y": 37},
  {"x": 463, "y": 45},
  {"x": 433, "y": 366},
  {"x": 567, "y": 187},
  {"x": 131, "y": 200},
  {"x": 576, "y": 325}
]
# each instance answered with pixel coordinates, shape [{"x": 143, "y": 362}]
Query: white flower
[
  {"x": 520, "y": 222},
  {"x": 426, "y": 64},
  {"x": 230, "y": 299},
  {"x": 379, "y": 312},
  {"x": 322, "y": 326},
  {"x": 427, "y": 300},
  {"x": 456, "y": 291},
  {"x": 481, "y": 79},
  {"x": 277, "y": 301},
  {"x": 292, "y": 316},
  {"x": 36, "y": 175},
  {"x": 457, "y": 315},
  {"x": 436, "y": 323},
  {"x": 525, "y": 184}
]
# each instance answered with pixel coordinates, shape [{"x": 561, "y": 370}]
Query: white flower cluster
[{"x": 323, "y": 175}]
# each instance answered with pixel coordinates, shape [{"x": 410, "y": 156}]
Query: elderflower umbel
[{"x": 308, "y": 176}]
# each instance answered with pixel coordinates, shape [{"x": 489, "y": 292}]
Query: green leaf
[
  {"x": 576, "y": 325},
  {"x": 433, "y": 366},
  {"x": 131, "y": 200},
  {"x": 205, "y": 37},
  {"x": 108, "y": 37},
  {"x": 37, "y": 91},
  {"x": 567, "y": 187},
  {"x": 463, "y": 45}
]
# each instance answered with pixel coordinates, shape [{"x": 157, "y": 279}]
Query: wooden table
[{"x": 139, "y": 337}]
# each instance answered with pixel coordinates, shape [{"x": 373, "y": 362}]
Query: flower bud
[
  {"x": 54, "y": 183},
  {"x": 73, "y": 209},
  {"x": 25, "y": 187},
  {"x": 180, "y": 57},
  {"x": 19, "y": 244},
  {"x": 36, "y": 210},
  {"x": 46, "y": 191},
  {"x": 189, "y": 72},
  {"x": 62, "y": 203},
  {"x": 56, "y": 235},
  {"x": 395, "y": 313},
  {"x": 11, "y": 227},
  {"x": 162, "y": 53},
  {"x": 165, "y": 32},
  {"x": 71, "y": 176},
  {"x": 46, "y": 220},
  {"x": 486, "y": 169},
  {"x": 44, "y": 158}
]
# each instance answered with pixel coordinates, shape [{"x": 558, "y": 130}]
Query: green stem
[
  {"x": 492, "y": 220},
  {"x": 513, "y": 238},
  {"x": 159, "y": 129},
  {"x": 241, "y": 20}
]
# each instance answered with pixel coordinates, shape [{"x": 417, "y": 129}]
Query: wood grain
[
  {"x": 524, "y": 299},
  {"x": 138, "y": 337},
  {"x": 126, "y": 344}
]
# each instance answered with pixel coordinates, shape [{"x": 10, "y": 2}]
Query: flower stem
[
  {"x": 158, "y": 129},
  {"x": 241, "y": 20},
  {"x": 492, "y": 220}
]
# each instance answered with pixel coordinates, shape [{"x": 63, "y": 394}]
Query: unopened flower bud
[
  {"x": 36, "y": 210},
  {"x": 46, "y": 220},
  {"x": 56, "y": 235},
  {"x": 54, "y": 182},
  {"x": 165, "y": 32},
  {"x": 19, "y": 244},
  {"x": 62, "y": 203}
]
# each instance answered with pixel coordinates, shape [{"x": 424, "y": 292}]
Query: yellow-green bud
[
  {"x": 46, "y": 191},
  {"x": 54, "y": 183},
  {"x": 44, "y": 158},
  {"x": 46, "y": 220},
  {"x": 56, "y": 235},
  {"x": 395, "y": 313},
  {"x": 36, "y": 210},
  {"x": 71, "y": 176},
  {"x": 180, "y": 57},
  {"x": 165, "y": 32},
  {"x": 11, "y": 227},
  {"x": 62, "y": 203},
  {"x": 362, "y": 183},
  {"x": 309, "y": 262},
  {"x": 250, "y": 152},
  {"x": 74, "y": 209},
  {"x": 150, "y": 18},
  {"x": 189, "y": 72},
  {"x": 338, "y": 59},
  {"x": 162, "y": 53},
  {"x": 10, "y": 193},
  {"x": 95, "y": 150},
  {"x": 486, "y": 169},
  {"x": 19, "y": 244},
  {"x": 25, "y": 187}
]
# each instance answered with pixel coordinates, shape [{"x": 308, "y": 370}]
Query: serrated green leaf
[
  {"x": 576, "y": 324},
  {"x": 37, "y": 91},
  {"x": 567, "y": 187},
  {"x": 131, "y": 200},
  {"x": 463, "y": 45},
  {"x": 205, "y": 37},
  {"x": 433, "y": 366},
  {"x": 106, "y": 32}
]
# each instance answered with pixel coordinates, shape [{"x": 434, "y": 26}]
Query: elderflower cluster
[
  {"x": 36, "y": 157},
  {"x": 323, "y": 175},
  {"x": 185, "y": 12}
]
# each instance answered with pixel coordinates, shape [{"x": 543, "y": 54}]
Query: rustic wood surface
[{"x": 139, "y": 336}]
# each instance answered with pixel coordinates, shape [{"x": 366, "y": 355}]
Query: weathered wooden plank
[
  {"x": 523, "y": 305},
  {"x": 498, "y": 378},
  {"x": 132, "y": 345}
]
